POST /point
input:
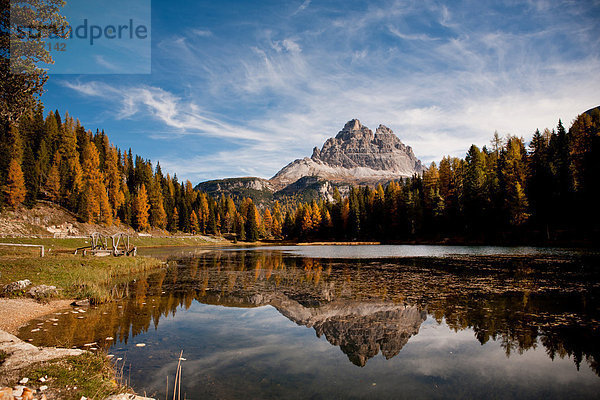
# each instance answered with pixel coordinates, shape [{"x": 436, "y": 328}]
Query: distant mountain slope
[{"x": 258, "y": 189}]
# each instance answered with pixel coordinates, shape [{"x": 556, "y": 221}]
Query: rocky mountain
[{"x": 355, "y": 156}]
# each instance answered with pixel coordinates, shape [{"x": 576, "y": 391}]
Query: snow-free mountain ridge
[{"x": 355, "y": 156}]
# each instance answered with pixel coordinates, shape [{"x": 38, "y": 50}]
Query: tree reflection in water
[{"x": 366, "y": 306}]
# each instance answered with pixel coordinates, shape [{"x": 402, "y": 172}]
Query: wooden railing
[{"x": 41, "y": 246}]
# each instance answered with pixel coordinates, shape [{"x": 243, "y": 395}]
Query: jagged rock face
[{"x": 355, "y": 155}]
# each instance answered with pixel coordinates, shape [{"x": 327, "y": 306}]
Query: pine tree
[
  {"x": 514, "y": 174},
  {"x": 277, "y": 220},
  {"x": 194, "y": 222},
  {"x": 113, "y": 179},
  {"x": 52, "y": 132},
  {"x": 240, "y": 230},
  {"x": 539, "y": 181},
  {"x": 174, "y": 223},
  {"x": 474, "y": 194},
  {"x": 52, "y": 185},
  {"x": 315, "y": 217},
  {"x": 70, "y": 168},
  {"x": 288, "y": 226},
  {"x": 158, "y": 216},
  {"x": 267, "y": 222},
  {"x": 95, "y": 205},
  {"x": 140, "y": 209},
  {"x": 43, "y": 162},
  {"x": 15, "y": 184},
  {"x": 251, "y": 223},
  {"x": 203, "y": 212},
  {"x": 326, "y": 224},
  {"x": 445, "y": 177},
  {"x": 306, "y": 223},
  {"x": 518, "y": 205},
  {"x": 30, "y": 175}
]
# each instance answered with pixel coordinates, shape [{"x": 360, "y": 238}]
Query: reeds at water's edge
[{"x": 177, "y": 384}]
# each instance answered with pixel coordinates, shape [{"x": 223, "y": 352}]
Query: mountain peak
[
  {"x": 353, "y": 125},
  {"x": 355, "y": 155},
  {"x": 383, "y": 130},
  {"x": 354, "y": 129}
]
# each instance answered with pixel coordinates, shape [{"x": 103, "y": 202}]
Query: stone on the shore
[
  {"x": 42, "y": 291},
  {"x": 27, "y": 394},
  {"x": 21, "y": 354},
  {"x": 16, "y": 286}
]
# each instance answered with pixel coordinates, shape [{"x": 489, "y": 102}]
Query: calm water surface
[{"x": 324, "y": 322}]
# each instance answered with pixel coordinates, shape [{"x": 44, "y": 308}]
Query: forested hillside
[
  {"x": 545, "y": 190},
  {"x": 57, "y": 159}
]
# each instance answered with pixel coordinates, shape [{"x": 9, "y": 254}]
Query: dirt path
[{"x": 15, "y": 313}]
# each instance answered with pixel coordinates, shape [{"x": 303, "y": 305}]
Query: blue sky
[{"x": 241, "y": 88}]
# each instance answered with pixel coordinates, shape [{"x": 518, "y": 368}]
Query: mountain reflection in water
[{"x": 366, "y": 306}]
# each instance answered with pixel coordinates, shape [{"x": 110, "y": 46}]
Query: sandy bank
[{"x": 15, "y": 313}]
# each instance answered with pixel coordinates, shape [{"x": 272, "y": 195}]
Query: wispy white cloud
[
  {"x": 410, "y": 36},
  {"x": 302, "y": 7},
  {"x": 202, "y": 32},
  {"x": 106, "y": 64},
  {"x": 183, "y": 115}
]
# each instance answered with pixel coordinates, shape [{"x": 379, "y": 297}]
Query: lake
[{"x": 351, "y": 322}]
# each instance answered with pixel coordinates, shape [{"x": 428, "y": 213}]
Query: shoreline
[
  {"x": 24, "y": 360},
  {"x": 17, "y": 312}
]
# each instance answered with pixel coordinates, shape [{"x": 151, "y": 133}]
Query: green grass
[
  {"x": 92, "y": 374},
  {"x": 77, "y": 276}
]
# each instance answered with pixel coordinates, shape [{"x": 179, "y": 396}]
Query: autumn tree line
[
  {"x": 55, "y": 158},
  {"x": 546, "y": 190},
  {"x": 543, "y": 190}
]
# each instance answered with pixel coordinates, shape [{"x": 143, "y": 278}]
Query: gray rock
[
  {"x": 42, "y": 291},
  {"x": 16, "y": 286},
  {"x": 21, "y": 354}
]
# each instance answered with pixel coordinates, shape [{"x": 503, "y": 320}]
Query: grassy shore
[
  {"x": 76, "y": 276},
  {"x": 82, "y": 277},
  {"x": 91, "y": 375}
]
